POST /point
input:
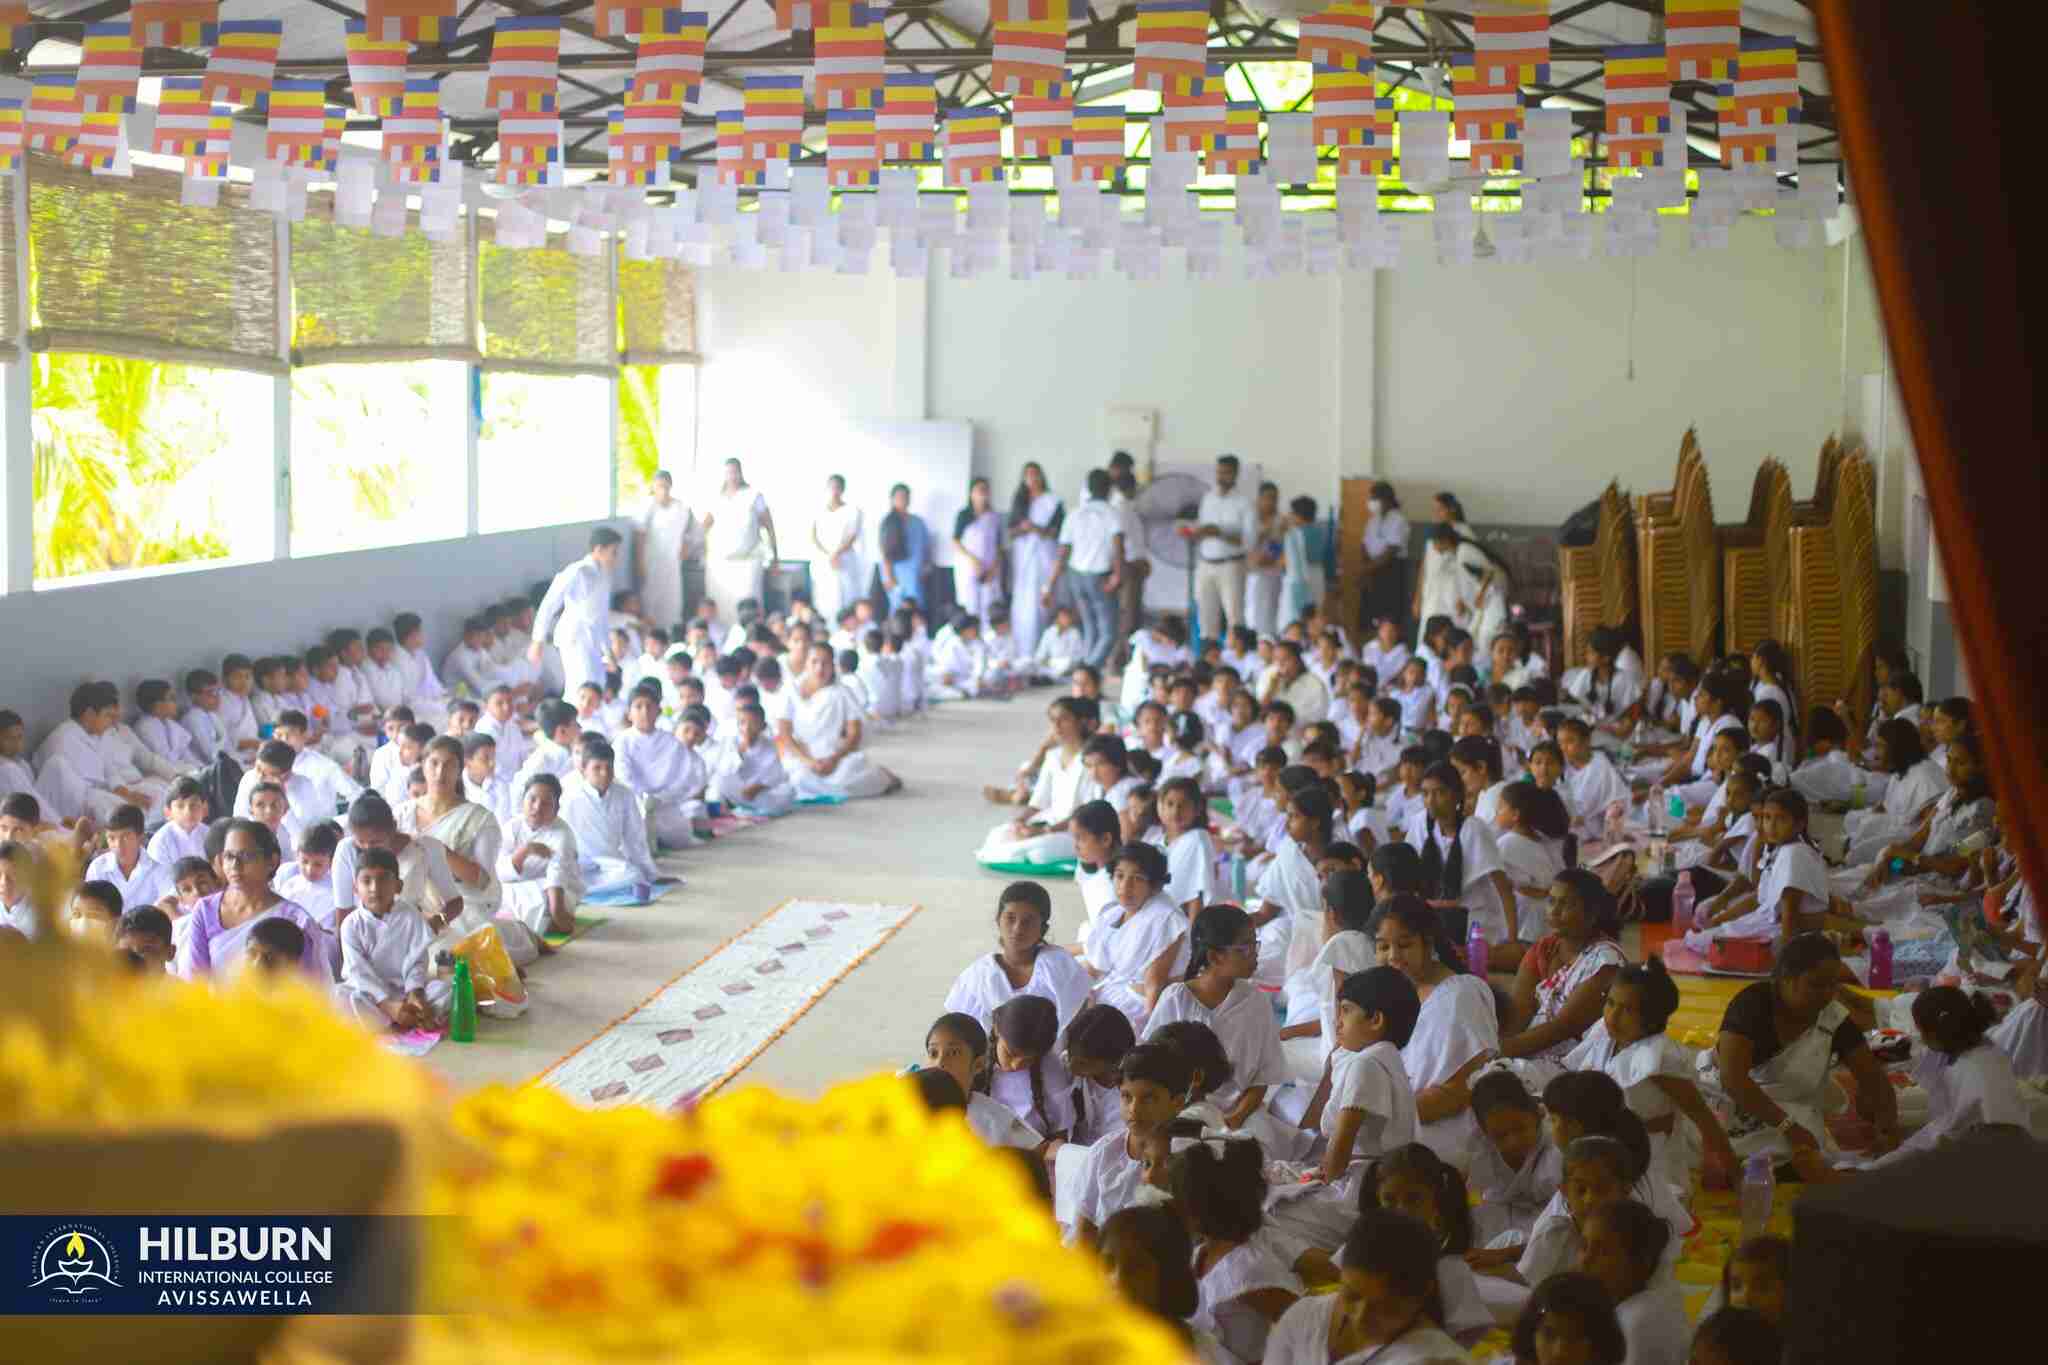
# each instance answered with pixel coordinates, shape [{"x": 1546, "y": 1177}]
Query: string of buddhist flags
[
  {"x": 525, "y": 69},
  {"x": 1638, "y": 115},
  {"x": 244, "y": 60},
  {"x": 376, "y": 70},
  {"x": 176, "y": 23},
  {"x": 412, "y": 21},
  {"x": 109, "y": 69},
  {"x": 1030, "y": 54},
  {"x": 848, "y": 63},
  {"x": 1762, "y": 102}
]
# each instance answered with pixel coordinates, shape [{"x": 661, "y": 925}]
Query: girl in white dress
[
  {"x": 1034, "y": 524},
  {"x": 1968, "y": 1081},
  {"x": 1457, "y": 1031},
  {"x": 1515, "y": 1171},
  {"x": 958, "y": 1046},
  {"x": 1791, "y": 893},
  {"x": 1572, "y": 1316},
  {"x": 1624, "y": 1249},
  {"x": 1387, "y": 1308},
  {"x": 1027, "y": 1076},
  {"x": 1091, "y": 1050},
  {"x": 1097, "y": 836},
  {"x": 1310, "y": 1035},
  {"x": 1610, "y": 696},
  {"x": 1461, "y": 865},
  {"x": 1220, "y": 1188},
  {"x": 1290, "y": 892},
  {"x": 1023, "y": 962},
  {"x": 1480, "y": 768},
  {"x": 1040, "y": 834},
  {"x": 839, "y": 571},
  {"x": 1916, "y": 782},
  {"x": 1150, "y": 1258},
  {"x": 1535, "y": 842},
  {"x": 1138, "y": 943},
  {"x": 1217, "y": 990},
  {"x": 1416, "y": 1181},
  {"x": 1190, "y": 852}
]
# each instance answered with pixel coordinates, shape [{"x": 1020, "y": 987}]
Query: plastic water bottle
[
  {"x": 1475, "y": 950},
  {"x": 1683, "y": 898},
  {"x": 1856, "y": 793},
  {"x": 1656, "y": 809},
  {"x": 1676, "y": 808},
  {"x": 1237, "y": 877},
  {"x": 1880, "y": 960},
  {"x": 462, "y": 1007},
  {"x": 1759, "y": 1190}
]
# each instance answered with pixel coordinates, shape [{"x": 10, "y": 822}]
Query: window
[
  {"x": 543, "y": 452},
  {"x": 657, "y": 428},
  {"x": 379, "y": 455},
  {"x": 140, "y": 464}
]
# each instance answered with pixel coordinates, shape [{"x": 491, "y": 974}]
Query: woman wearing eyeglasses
[{"x": 221, "y": 923}]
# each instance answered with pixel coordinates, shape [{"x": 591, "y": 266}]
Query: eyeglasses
[{"x": 235, "y": 859}]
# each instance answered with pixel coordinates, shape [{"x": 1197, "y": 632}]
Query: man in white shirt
[
  {"x": 576, "y": 609},
  {"x": 734, "y": 526},
  {"x": 1092, "y": 550},
  {"x": 1224, "y": 530}
]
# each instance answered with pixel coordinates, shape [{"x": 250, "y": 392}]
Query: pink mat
[{"x": 1680, "y": 960}]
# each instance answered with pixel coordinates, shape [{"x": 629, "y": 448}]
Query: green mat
[
  {"x": 584, "y": 924},
  {"x": 1221, "y": 805},
  {"x": 821, "y": 801},
  {"x": 1063, "y": 868}
]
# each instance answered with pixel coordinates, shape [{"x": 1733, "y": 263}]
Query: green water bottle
[{"x": 462, "y": 1009}]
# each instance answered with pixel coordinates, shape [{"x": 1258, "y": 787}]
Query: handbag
[{"x": 1750, "y": 955}]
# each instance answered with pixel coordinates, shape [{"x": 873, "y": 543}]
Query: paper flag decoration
[
  {"x": 413, "y": 136},
  {"x": 193, "y": 127},
  {"x": 1098, "y": 141},
  {"x": 1344, "y": 106},
  {"x": 529, "y": 149},
  {"x": 525, "y": 65},
  {"x": 1196, "y": 118},
  {"x": 175, "y": 23},
  {"x": 13, "y": 127},
  {"x": 1172, "y": 47},
  {"x": 1041, "y": 127},
  {"x": 774, "y": 110},
  {"x": 1702, "y": 39},
  {"x": 1638, "y": 105},
  {"x": 1341, "y": 37},
  {"x": 1030, "y": 55},
  {"x": 1512, "y": 49},
  {"x": 14, "y": 18},
  {"x": 376, "y": 70},
  {"x": 974, "y": 144},
  {"x": 109, "y": 69},
  {"x": 102, "y": 144},
  {"x": 735, "y": 167},
  {"x": 1236, "y": 152},
  {"x": 295, "y": 123},
  {"x": 630, "y": 18},
  {"x": 643, "y": 140},
  {"x": 1764, "y": 99},
  {"x": 54, "y": 116},
  {"x": 414, "y": 21},
  {"x": 244, "y": 60},
  {"x": 904, "y": 127},
  {"x": 1509, "y": 51},
  {"x": 850, "y": 155},
  {"x": 1425, "y": 148},
  {"x": 848, "y": 64},
  {"x": 669, "y": 67},
  {"x": 793, "y": 14}
]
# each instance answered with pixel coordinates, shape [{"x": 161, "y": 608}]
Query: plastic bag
[{"x": 490, "y": 966}]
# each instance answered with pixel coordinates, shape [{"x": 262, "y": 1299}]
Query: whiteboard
[{"x": 934, "y": 458}]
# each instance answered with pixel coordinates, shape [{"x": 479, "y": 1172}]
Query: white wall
[{"x": 160, "y": 625}]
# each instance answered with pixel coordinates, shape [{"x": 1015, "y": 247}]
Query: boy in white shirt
[
  {"x": 125, "y": 866},
  {"x": 719, "y": 688},
  {"x": 747, "y": 770},
  {"x": 513, "y": 633},
  {"x": 336, "y": 787},
  {"x": 238, "y": 681},
  {"x": 17, "y": 863},
  {"x": 650, "y": 662},
  {"x": 1059, "y": 647},
  {"x": 385, "y": 975},
  {"x": 470, "y": 667},
  {"x": 272, "y": 695},
  {"x": 381, "y": 670},
  {"x": 405, "y": 755},
  {"x": 15, "y": 773},
  {"x": 85, "y": 767},
  {"x": 882, "y": 674},
  {"x": 611, "y": 835},
  {"x": 959, "y": 660},
  {"x": 156, "y": 724},
  {"x": 341, "y": 695},
  {"x": 270, "y": 807},
  {"x": 463, "y": 714},
  {"x": 481, "y": 780},
  {"x": 304, "y": 797},
  {"x": 423, "y": 690},
  {"x": 396, "y": 719},
  {"x": 558, "y": 730},
  {"x": 499, "y": 722},
  {"x": 539, "y": 870},
  {"x": 667, "y": 775},
  {"x": 183, "y": 832},
  {"x": 205, "y": 720}
]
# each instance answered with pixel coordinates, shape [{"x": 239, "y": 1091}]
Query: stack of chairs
[
  {"x": 1832, "y": 617},
  {"x": 1678, "y": 562},
  {"x": 1597, "y": 582},
  {"x": 1756, "y": 564}
]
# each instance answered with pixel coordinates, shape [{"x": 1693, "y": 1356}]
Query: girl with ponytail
[
  {"x": 1792, "y": 889},
  {"x": 1290, "y": 914},
  {"x": 1456, "y": 1031},
  {"x": 1461, "y": 868},
  {"x": 1217, "y": 990},
  {"x": 1968, "y": 1081},
  {"x": 1416, "y": 1181},
  {"x": 1028, "y": 1076},
  {"x": 1220, "y": 1186}
]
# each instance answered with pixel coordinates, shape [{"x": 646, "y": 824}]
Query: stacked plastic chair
[
  {"x": 1597, "y": 582},
  {"x": 1833, "y": 625},
  {"x": 1756, "y": 563},
  {"x": 1678, "y": 562}
]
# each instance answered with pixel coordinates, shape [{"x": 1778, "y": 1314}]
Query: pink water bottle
[
  {"x": 1880, "y": 960},
  {"x": 1475, "y": 950},
  {"x": 1682, "y": 900}
]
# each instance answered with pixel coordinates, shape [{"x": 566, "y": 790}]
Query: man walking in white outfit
[
  {"x": 1226, "y": 527},
  {"x": 577, "y": 609}
]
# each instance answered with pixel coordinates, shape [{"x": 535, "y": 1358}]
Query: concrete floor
[{"x": 913, "y": 848}]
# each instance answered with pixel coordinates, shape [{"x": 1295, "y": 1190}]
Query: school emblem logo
[{"x": 75, "y": 1265}]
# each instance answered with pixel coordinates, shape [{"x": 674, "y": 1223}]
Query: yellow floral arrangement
[{"x": 860, "y": 1226}]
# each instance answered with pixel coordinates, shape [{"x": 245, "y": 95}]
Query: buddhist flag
[
  {"x": 1638, "y": 105},
  {"x": 1098, "y": 141},
  {"x": 244, "y": 60},
  {"x": 774, "y": 110},
  {"x": 735, "y": 167},
  {"x": 904, "y": 127},
  {"x": 1344, "y": 106},
  {"x": 376, "y": 71},
  {"x": 669, "y": 67},
  {"x": 193, "y": 127},
  {"x": 851, "y": 159},
  {"x": 1702, "y": 39},
  {"x": 1340, "y": 37},
  {"x": 1508, "y": 52},
  {"x": 630, "y": 18},
  {"x": 529, "y": 149},
  {"x": 848, "y": 64},
  {"x": 12, "y": 126},
  {"x": 413, "y": 136},
  {"x": 295, "y": 122},
  {"x": 101, "y": 141},
  {"x": 1511, "y": 49},
  {"x": 974, "y": 144},
  {"x": 1042, "y": 127},
  {"x": 1764, "y": 99},
  {"x": 796, "y": 14},
  {"x": 54, "y": 115},
  {"x": 525, "y": 65},
  {"x": 1172, "y": 49},
  {"x": 642, "y": 139},
  {"x": 1030, "y": 48},
  {"x": 1196, "y": 117},
  {"x": 175, "y": 23},
  {"x": 412, "y": 21},
  {"x": 109, "y": 69},
  {"x": 14, "y": 18},
  {"x": 1236, "y": 152}
]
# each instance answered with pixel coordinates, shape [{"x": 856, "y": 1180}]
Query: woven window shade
[
  {"x": 546, "y": 311},
  {"x": 360, "y": 297},
  {"x": 120, "y": 267},
  {"x": 10, "y": 286},
  {"x": 657, "y": 312}
]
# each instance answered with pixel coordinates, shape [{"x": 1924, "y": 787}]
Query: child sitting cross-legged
[
  {"x": 386, "y": 978},
  {"x": 746, "y": 770},
  {"x": 1219, "y": 1186},
  {"x": 539, "y": 870}
]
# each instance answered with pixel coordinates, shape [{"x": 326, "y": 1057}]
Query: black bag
[
  {"x": 222, "y": 784},
  {"x": 1581, "y": 526}
]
